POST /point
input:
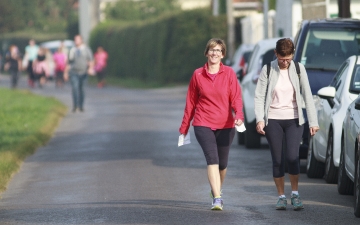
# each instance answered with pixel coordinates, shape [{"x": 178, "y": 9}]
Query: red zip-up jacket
[{"x": 211, "y": 103}]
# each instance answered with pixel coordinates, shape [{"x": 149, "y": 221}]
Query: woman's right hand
[{"x": 260, "y": 127}]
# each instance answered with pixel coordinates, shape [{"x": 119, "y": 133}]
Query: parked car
[
  {"x": 241, "y": 59},
  {"x": 331, "y": 111},
  {"x": 263, "y": 53},
  {"x": 349, "y": 170},
  {"x": 322, "y": 45},
  {"x": 55, "y": 44}
]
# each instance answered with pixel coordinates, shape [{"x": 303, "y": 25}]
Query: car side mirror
[{"x": 328, "y": 93}]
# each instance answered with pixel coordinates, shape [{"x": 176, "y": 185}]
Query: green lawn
[
  {"x": 27, "y": 122},
  {"x": 131, "y": 83}
]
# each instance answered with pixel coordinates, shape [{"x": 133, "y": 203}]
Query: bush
[{"x": 166, "y": 50}]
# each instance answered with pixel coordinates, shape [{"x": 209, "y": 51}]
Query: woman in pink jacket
[{"x": 214, "y": 105}]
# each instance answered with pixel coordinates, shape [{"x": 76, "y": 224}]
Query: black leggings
[
  {"x": 275, "y": 131},
  {"x": 215, "y": 144}
]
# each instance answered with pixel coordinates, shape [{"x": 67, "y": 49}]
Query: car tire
[
  {"x": 344, "y": 184},
  {"x": 357, "y": 187},
  {"x": 252, "y": 137},
  {"x": 314, "y": 168},
  {"x": 331, "y": 171}
]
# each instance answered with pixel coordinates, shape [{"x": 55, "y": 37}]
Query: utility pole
[
  {"x": 89, "y": 17},
  {"x": 231, "y": 28},
  {"x": 215, "y": 6},
  {"x": 344, "y": 8},
  {"x": 265, "y": 13}
]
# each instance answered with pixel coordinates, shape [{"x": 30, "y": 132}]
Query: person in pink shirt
[
  {"x": 100, "y": 58},
  {"x": 60, "y": 60},
  {"x": 41, "y": 68},
  {"x": 214, "y": 104}
]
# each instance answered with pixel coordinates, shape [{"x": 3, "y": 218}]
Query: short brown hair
[
  {"x": 213, "y": 42},
  {"x": 285, "y": 47}
]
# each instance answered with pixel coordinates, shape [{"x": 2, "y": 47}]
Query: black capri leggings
[
  {"x": 275, "y": 131},
  {"x": 215, "y": 144}
]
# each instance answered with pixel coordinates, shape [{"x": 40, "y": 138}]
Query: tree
[
  {"x": 139, "y": 10},
  {"x": 42, "y": 15}
]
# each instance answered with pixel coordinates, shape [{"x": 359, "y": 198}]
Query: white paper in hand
[
  {"x": 240, "y": 128},
  {"x": 184, "y": 139}
]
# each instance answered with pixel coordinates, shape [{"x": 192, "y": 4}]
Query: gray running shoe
[
  {"x": 217, "y": 204},
  {"x": 296, "y": 202},
  {"x": 281, "y": 204}
]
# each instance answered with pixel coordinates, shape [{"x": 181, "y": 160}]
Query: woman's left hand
[
  {"x": 313, "y": 130},
  {"x": 238, "y": 122}
]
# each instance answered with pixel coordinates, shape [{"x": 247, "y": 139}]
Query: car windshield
[{"x": 328, "y": 48}]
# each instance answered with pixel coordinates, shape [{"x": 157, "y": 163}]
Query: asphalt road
[{"x": 118, "y": 163}]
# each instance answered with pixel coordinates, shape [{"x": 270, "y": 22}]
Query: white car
[
  {"x": 325, "y": 147},
  {"x": 262, "y": 54},
  {"x": 349, "y": 169},
  {"x": 55, "y": 44},
  {"x": 241, "y": 59}
]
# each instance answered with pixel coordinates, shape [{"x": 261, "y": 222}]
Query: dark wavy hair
[{"x": 285, "y": 47}]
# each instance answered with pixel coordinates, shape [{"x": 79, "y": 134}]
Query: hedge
[{"x": 165, "y": 50}]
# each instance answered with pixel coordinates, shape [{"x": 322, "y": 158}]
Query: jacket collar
[{"x": 205, "y": 68}]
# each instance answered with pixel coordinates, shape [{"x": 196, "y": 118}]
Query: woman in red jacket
[{"x": 214, "y": 104}]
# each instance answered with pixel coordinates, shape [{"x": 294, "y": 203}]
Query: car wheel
[
  {"x": 344, "y": 185},
  {"x": 330, "y": 169},
  {"x": 252, "y": 137},
  {"x": 314, "y": 168},
  {"x": 357, "y": 187}
]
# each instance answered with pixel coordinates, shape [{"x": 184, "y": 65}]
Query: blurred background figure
[
  {"x": 100, "y": 58},
  {"x": 50, "y": 63},
  {"x": 80, "y": 65},
  {"x": 31, "y": 52},
  {"x": 13, "y": 64},
  {"x": 40, "y": 68},
  {"x": 60, "y": 60}
]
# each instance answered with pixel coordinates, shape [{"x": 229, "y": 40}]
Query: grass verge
[
  {"x": 131, "y": 83},
  {"x": 28, "y": 121}
]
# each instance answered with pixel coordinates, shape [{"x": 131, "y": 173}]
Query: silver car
[{"x": 349, "y": 170}]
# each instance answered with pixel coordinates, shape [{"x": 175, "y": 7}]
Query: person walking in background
[
  {"x": 279, "y": 114},
  {"x": 60, "y": 60},
  {"x": 13, "y": 64},
  {"x": 213, "y": 94},
  {"x": 41, "y": 68},
  {"x": 100, "y": 58},
  {"x": 31, "y": 52},
  {"x": 80, "y": 64}
]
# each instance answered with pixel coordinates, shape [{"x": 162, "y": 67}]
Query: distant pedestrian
[
  {"x": 214, "y": 102},
  {"x": 13, "y": 64},
  {"x": 60, "y": 60},
  {"x": 41, "y": 68},
  {"x": 279, "y": 100},
  {"x": 31, "y": 52},
  {"x": 80, "y": 64},
  {"x": 100, "y": 58}
]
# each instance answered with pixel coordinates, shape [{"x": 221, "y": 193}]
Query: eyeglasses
[
  {"x": 284, "y": 60},
  {"x": 217, "y": 51}
]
